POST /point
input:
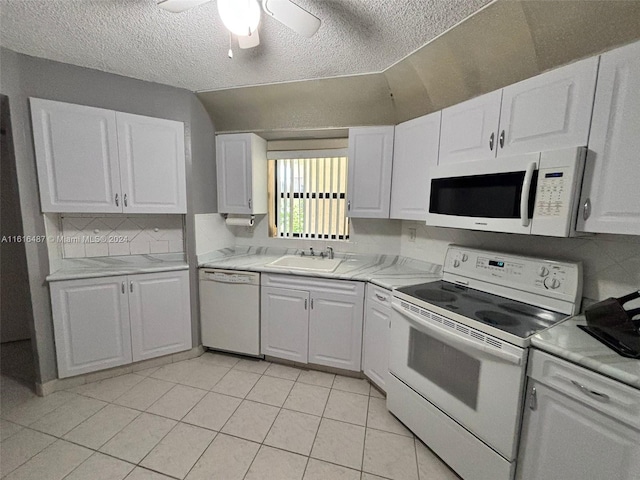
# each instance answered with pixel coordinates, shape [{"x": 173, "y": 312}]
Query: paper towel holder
[{"x": 251, "y": 217}]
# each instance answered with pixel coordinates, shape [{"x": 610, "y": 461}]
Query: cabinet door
[
  {"x": 335, "y": 330},
  {"x": 152, "y": 164},
  {"x": 233, "y": 161},
  {"x": 415, "y": 153},
  {"x": 91, "y": 324},
  {"x": 375, "y": 350},
  {"x": 76, "y": 151},
  {"x": 563, "y": 438},
  {"x": 549, "y": 111},
  {"x": 469, "y": 130},
  {"x": 160, "y": 310},
  {"x": 285, "y": 323},
  {"x": 610, "y": 193},
  {"x": 370, "y": 166}
]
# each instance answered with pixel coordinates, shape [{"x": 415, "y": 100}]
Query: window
[{"x": 309, "y": 191}]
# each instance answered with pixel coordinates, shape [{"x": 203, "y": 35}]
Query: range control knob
[
  {"x": 465, "y": 257},
  {"x": 552, "y": 283},
  {"x": 456, "y": 263},
  {"x": 543, "y": 271}
]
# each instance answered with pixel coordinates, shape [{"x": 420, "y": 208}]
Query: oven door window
[
  {"x": 449, "y": 368},
  {"x": 489, "y": 196}
]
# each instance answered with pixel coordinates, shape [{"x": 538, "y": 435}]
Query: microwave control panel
[{"x": 558, "y": 188}]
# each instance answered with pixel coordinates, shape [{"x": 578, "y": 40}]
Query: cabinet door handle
[
  {"x": 349, "y": 205},
  {"x": 117, "y": 200},
  {"x": 249, "y": 203},
  {"x": 491, "y": 139},
  {"x": 586, "y": 212},
  {"x": 502, "y": 139},
  {"x": 122, "y": 287},
  {"x": 125, "y": 199},
  {"x": 305, "y": 303},
  {"x": 312, "y": 304},
  {"x": 131, "y": 287},
  {"x": 381, "y": 298},
  {"x": 533, "y": 399},
  {"x": 602, "y": 397}
]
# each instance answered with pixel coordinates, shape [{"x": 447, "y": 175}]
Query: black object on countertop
[{"x": 611, "y": 324}]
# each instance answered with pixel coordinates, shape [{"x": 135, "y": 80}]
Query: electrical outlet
[{"x": 412, "y": 234}]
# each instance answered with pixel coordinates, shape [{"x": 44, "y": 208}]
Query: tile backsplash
[{"x": 114, "y": 235}]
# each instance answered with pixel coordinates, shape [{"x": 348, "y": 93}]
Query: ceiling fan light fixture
[{"x": 241, "y": 17}]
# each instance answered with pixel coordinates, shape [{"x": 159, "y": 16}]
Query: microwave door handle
[
  {"x": 456, "y": 340},
  {"x": 524, "y": 196}
]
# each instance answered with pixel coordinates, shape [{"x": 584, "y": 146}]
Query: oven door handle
[
  {"x": 455, "y": 340},
  {"x": 524, "y": 196}
]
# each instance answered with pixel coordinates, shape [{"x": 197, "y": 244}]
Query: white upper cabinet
[
  {"x": 546, "y": 112},
  {"x": 370, "y": 166},
  {"x": 160, "y": 310},
  {"x": 241, "y": 161},
  {"x": 93, "y": 160},
  {"x": 415, "y": 153},
  {"x": 610, "y": 192},
  {"x": 152, "y": 164},
  {"x": 470, "y": 129},
  {"x": 77, "y": 157},
  {"x": 91, "y": 324},
  {"x": 549, "y": 111}
]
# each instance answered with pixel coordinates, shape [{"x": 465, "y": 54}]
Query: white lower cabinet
[
  {"x": 160, "y": 312},
  {"x": 335, "y": 330},
  {"x": 578, "y": 425},
  {"x": 285, "y": 323},
  {"x": 91, "y": 324},
  {"x": 105, "y": 322},
  {"x": 312, "y": 320},
  {"x": 375, "y": 349}
]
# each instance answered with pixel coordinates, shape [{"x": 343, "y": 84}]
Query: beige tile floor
[{"x": 212, "y": 417}]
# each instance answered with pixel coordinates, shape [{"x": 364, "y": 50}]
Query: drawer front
[
  {"x": 317, "y": 284},
  {"x": 378, "y": 295},
  {"x": 602, "y": 393}
]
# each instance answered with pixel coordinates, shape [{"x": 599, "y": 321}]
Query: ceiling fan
[{"x": 242, "y": 17}]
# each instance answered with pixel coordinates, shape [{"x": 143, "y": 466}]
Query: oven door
[
  {"x": 461, "y": 371},
  {"x": 495, "y": 195}
]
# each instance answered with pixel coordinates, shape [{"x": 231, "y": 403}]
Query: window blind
[{"x": 311, "y": 195}]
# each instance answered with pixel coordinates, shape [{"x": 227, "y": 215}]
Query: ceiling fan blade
[
  {"x": 292, "y": 16},
  {"x": 177, "y": 6},
  {"x": 249, "y": 41}
]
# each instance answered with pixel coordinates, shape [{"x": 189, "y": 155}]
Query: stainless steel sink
[{"x": 309, "y": 263}]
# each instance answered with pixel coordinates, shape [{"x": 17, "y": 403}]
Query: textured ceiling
[{"x": 136, "y": 39}]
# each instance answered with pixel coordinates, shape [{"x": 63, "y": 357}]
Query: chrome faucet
[
  {"x": 330, "y": 253},
  {"x": 312, "y": 252}
]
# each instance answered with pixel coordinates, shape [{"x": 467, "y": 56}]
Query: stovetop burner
[
  {"x": 436, "y": 296},
  {"x": 513, "y": 317},
  {"x": 496, "y": 318}
]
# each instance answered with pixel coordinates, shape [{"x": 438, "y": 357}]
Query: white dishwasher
[{"x": 230, "y": 310}]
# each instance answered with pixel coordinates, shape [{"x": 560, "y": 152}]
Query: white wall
[
  {"x": 212, "y": 233},
  {"x": 611, "y": 263}
]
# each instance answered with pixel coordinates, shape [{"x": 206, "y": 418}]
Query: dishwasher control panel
[{"x": 229, "y": 276}]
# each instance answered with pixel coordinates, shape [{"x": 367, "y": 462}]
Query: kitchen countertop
[
  {"x": 73, "y": 268},
  {"x": 387, "y": 271},
  {"x": 567, "y": 341}
]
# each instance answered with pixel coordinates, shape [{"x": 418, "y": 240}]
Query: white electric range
[{"x": 458, "y": 353}]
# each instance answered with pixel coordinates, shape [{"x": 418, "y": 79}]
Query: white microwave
[{"x": 536, "y": 193}]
